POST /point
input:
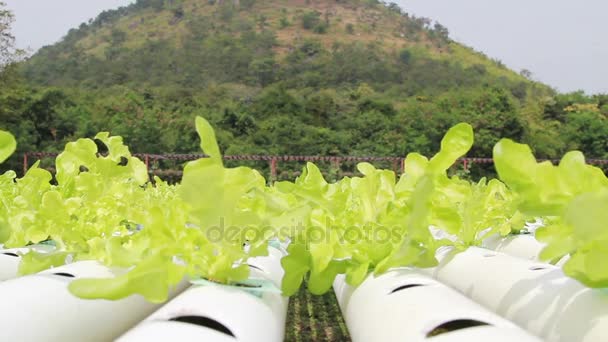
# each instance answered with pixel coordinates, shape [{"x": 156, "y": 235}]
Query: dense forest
[{"x": 290, "y": 77}]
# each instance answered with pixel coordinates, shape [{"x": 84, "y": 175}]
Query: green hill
[
  {"x": 256, "y": 42},
  {"x": 324, "y": 77}
]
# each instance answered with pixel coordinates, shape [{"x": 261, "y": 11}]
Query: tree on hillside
[
  {"x": 8, "y": 52},
  {"x": 526, "y": 73}
]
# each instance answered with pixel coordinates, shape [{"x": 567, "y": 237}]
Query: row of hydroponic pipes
[
  {"x": 397, "y": 163},
  {"x": 499, "y": 293}
]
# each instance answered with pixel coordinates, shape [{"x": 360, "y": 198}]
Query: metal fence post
[
  {"x": 395, "y": 165},
  {"x": 25, "y": 166},
  {"x": 273, "y": 169}
]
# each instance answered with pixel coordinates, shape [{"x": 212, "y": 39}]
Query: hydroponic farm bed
[
  {"x": 98, "y": 251},
  {"x": 315, "y": 318}
]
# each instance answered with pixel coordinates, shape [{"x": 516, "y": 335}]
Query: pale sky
[
  {"x": 563, "y": 42},
  {"x": 44, "y": 22}
]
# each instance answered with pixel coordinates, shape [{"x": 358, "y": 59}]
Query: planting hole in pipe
[
  {"x": 489, "y": 255},
  {"x": 11, "y": 254},
  {"x": 63, "y": 274},
  {"x": 204, "y": 322},
  {"x": 248, "y": 285},
  {"x": 457, "y": 324},
  {"x": 257, "y": 268},
  {"x": 403, "y": 287},
  {"x": 537, "y": 268},
  {"x": 245, "y": 285}
]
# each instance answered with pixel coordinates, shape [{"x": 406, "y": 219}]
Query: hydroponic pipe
[
  {"x": 406, "y": 305},
  {"x": 216, "y": 313},
  {"x": 522, "y": 246},
  {"x": 39, "y": 307},
  {"x": 536, "y": 296},
  {"x": 10, "y": 259}
]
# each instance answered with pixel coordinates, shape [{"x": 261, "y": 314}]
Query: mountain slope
[
  {"x": 196, "y": 42},
  {"x": 308, "y": 77}
]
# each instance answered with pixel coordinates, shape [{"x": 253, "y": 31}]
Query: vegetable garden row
[{"x": 98, "y": 252}]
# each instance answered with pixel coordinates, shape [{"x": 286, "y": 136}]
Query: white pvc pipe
[
  {"x": 9, "y": 262},
  {"x": 10, "y": 259},
  {"x": 522, "y": 246},
  {"x": 219, "y": 313},
  {"x": 39, "y": 307},
  {"x": 406, "y": 305},
  {"x": 164, "y": 330},
  {"x": 270, "y": 265},
  {"x": 536, "y": 296},
  {"x": 562, "y": 261}
]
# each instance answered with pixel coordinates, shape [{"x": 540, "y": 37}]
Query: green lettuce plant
[
  {"x": 375, "y": 223},
  {"x": 185, "y": 230},
  {"x": 103, "y": 207},
  {"x": 574, "y": 197},
  {"x": 8, "y": 144}
]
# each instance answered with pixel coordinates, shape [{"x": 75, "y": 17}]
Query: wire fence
[{"x": 171, "y": 164}]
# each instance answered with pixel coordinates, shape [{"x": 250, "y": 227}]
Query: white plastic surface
[
  {"x": 406, "y": 305},
  {"x": 246, "y": 317},
  {"x": 522, "y": 246},
  {"x": 9, "y": 262},
  {"x": 40, "y": 308},
  {"x": 534, "y": 295},
  {"x": 175, "y": 331},
  {"x": 270, "y": 265},
  {"x": 10, "y": 259}
]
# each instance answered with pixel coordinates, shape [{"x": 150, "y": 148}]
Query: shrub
[
  {"x": 321, "y": 28},
  {"x": 284, "y": 22},
  {"x": 310, "y": 20},
  {"x": 350, "y": 28}
]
